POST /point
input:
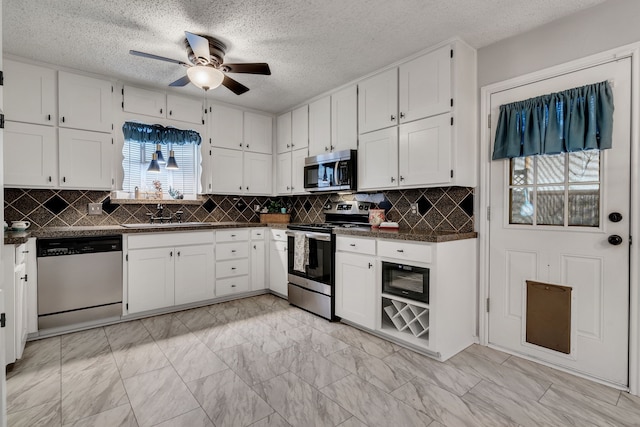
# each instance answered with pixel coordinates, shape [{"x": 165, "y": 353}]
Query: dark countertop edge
[{"x": 430, "y": 237}]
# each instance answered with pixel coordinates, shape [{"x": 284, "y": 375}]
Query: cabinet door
[
  {"x": 425, "y": 151},
  {"x": 29, "y": 93},
  {"x": 278, "y": 268},
  {"x": 258, "y": 133},
  {"x": 378, "y": 101},
  {"x": 21, "y": 309},
  {"x": 425, "y": 86},
  {"x": 225, "y": 127},
  {"x": 300, "y": 128},
  {"x": 283, "y": 173},
  {"x": 297, "y": 171},
  {"x": 85, "y": 159},
  {"x": 258, "y": 265},
  {"x": 344, "y": 119},
  {"x": 206, "y": 179},
  {"x": 378, "y": 159},
  {"x": 30, "y": 155},
  {"x": 184, "y": 109},
  {"x": 84, "y": 102},
  {"x": 356, "y": 289},
  {"x": 226, "y": 169},
  {"x": 194, "y": 273},
  {"x": 320, "y": 126},
  {"x": 151, "y": 279},
  {"x": 32, "y": 286},
  {"x": 258, "y": 175},
  {"x": 143, "y": 101},
  {"x": 283, "y": 132}
]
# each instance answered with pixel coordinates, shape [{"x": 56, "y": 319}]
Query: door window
[{"x": 556, "y": 190}]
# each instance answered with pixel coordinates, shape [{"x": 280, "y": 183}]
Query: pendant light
[
  {"x": 171, "y": 163},
  {"x": 154, "y": 166},
  {"x": 159, "y": 155}
]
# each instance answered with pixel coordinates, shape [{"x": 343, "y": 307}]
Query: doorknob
[
  {"x": 615, "y": 217},
  {"x": 614, "y": 239}
]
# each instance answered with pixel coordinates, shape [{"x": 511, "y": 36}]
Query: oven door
[
  {"x": 405, "y": 281},
  {"x": 318, "y": 271}
]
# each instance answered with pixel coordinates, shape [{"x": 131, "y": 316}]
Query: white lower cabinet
[
  {"x": 356, "y": 288},
  {"x": 232, "y": 261},
  {"x": 258, "y": 259},
  {"x": 278, "y": 256},
  {"x": 165, "y": 269},
  {"x": 15, "y": 288}
]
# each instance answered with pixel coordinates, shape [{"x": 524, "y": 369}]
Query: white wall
[{"x": 611, "y": 24}]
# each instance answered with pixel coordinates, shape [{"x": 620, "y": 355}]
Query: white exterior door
[{"x": 550, "y": 222}]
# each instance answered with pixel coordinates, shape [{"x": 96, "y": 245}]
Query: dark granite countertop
[{"x": 418, "y": 236}]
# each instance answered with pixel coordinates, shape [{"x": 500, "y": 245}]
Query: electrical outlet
[
  {"x": 94, "y": 208},
  {"x": 414, "y": 208}
]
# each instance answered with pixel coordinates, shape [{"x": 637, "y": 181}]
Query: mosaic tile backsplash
[{"x": 439, "y": 209}]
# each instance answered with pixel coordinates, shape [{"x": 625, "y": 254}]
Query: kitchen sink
[{"x": 166, "y": 225}]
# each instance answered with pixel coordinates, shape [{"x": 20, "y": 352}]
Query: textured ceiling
[{"x": 311, "y": 46}]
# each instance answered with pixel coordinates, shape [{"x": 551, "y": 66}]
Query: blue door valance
[
  {"x": 572, "y": 120},
  {"x": 143, "y": 133}
]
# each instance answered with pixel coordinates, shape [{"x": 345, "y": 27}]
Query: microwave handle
[{"x": 336, "y": 171}]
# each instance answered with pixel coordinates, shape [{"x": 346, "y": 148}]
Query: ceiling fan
[{"x": 207, "y": 69}]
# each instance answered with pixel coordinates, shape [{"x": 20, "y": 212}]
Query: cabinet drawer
[
  {"x": 405, "y": 251},
  {"x": 356, "y": 244},
  {"x": 258, "y": 233},
  {"x": 233, "y": 235},
  {"x": 177, "y": 238},
  {"x": 21, "y": 252},
  {"x": 278, "y": 235},
  {"x": 232, "y": 267},
  {"x": 232, "y": 285},
  {"x": 232, "y": 250}
]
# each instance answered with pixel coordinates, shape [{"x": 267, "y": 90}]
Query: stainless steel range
[{"x": 311, "y": 253}]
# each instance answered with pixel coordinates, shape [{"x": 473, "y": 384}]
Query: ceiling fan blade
[
  {"x": 253, "y": 68},
  {"x": 152, "y": 56},
  {"x": 199, "y": 45},
  {"x": 182, "y": 81},
  {"x": 234, "y": 86}
]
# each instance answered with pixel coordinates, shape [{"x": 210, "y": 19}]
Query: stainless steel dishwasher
[{"x": 79, "y": 280}]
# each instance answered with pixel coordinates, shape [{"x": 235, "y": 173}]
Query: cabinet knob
[
  {"x": 331, "y": 147},
  {"x": 401, "y": 178},
  {"x": 247, "y": 188},
  {"x": 240, "y": 144},
  {"x": 233, "y": 286},
  {"x": 400, "y": 250},
  {"x": 178, "y": 253},
  {"x": 393, "y": 179},
  {"x": 401, "y": 115},
  {"x": 161, "y": 111},
  {"x": 353, "y": 245},
  {"x": 170, "y": 112},
  {"x": 254, "y": 247},
  {"x": 293, "y": 145},
  {"x": 288, "y": 146},
  {"x": 370, "y": 265},
  {"x": 171, "y": 253},
  {"x": 233, "y": 251},
  {"x": 49, "y": 117},
  {"x": 49, "y": 179},
  {"x": 233, "y": 268},
  {"x": 64, "y": 179},
  {"x": 393, "y": 118},
  {"x": 233, "y": 235},
  {"x": 288, "y": 188},
  {"x": 62, "y": 119},
  {"x": 240, "y": 188},
  {"x": 326, "y": 148},
  {"x": 293, "y": 188},
  {"x": 247, "y": 146}
]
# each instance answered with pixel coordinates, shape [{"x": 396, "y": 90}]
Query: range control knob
[{"x": 360, "y": 207}]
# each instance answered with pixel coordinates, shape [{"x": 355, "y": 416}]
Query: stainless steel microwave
[{"x": 335, "y": 171}]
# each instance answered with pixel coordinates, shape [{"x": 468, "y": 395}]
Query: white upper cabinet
[
  {"x": 297, "y": 171},
  {"x": 320, "y": 126},
  {"x": 30, "y": 156},
  {"x": 85, "y": 159},
  {"x": 257, "y": 173},
  {"x": 378, "y": 101},
  {"x": 283, "y": 132},
  {"x": 225, "y": 127},
  {"x": 378, "y": 159},
  {"x": 425, "y": 151},
  {"x": 184, "y": 109},
  {"x": 344, "y": 119},
  {"x": 144, "y": 101},
  {"x": 425, "y": 85},
  {"x": 258, "y": 133},
  {"x": 84, "y": 102},
  {"x": 283, "y": 173},
  {"x": 300, "y": 128},
  {"x": 29, "y": 93},
  {"x": 226, "y": 171}
]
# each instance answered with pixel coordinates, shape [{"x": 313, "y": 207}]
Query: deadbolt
[{"x": 615, "y": 217}]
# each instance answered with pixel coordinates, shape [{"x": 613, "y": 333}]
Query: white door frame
[{"x": 632, "y": 51}]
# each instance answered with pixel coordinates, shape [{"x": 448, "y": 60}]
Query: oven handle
[{"x": 316, "y": 236}]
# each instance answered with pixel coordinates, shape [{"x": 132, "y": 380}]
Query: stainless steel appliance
[
  {"x": 313, "y": 288},
  {"x": 335, "y": 171},
  {"x": 79, "y": 280},
  {"x": 405, "y": 281}
]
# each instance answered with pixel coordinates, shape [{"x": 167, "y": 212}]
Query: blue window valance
[
  {"x": 143, "y": 133},
  {"x": 572, "y": 120}
]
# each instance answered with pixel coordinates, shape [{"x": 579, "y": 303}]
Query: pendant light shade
[
  {"x": 171, "y": 163},
  {"x": 205, "y": 77},
  {"x": 159, "y": 155},
  {"x": 154, "y": 166}
]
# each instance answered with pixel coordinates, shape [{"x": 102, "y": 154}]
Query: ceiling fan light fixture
[{"x": 205, "y": 77}]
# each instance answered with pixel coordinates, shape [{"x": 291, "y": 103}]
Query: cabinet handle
[
  {"x": 288, "y": 188},
  {"x": 233, "y": 286},
  {"x": 170, "y": 112},
  {"x": 240, "y": 144},
  {"x": 209, "y": 185},
  {"x": 254, "y": 247},
  {"x": 25, "y": 252},
  {"x": 293, "y": 188},
  {"x": 400, "y": 250},
  {"x": 370, "y": 265},
  {"x": 258, "y": 234},
  {"x": 49, "y": 179},
  {"x": 171, "y": 254},
  {"x": 62, "y": 119},
  {"x": 288, "y": 146},
  {"x": 401, "y": 115},
  {"x": 393, "y": 118},
  {"x": 240, "y": 188},
  {"x": 64, "y": 179},
  {"x": 326, "y": 148},
  {"x": 233, "y": 268},
  {"x": 233, "y": 235},
  {"x": 331, "y": 147},
  {"x": 401, "y": 178},
  {"x": 49, "y": 117},
  {"x": 247, "y": 146},
  {"x": 178, "y": 253},
  {"x": 293, "y": 145},
  {"x": 393, "y": 179},
  {"x": 353, "y": 245},
  {"x": 161, "y": 111},
  {"x": 247, "y": 188},
  {"x": 233, "y": 251}
]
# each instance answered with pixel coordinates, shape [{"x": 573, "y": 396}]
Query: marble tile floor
[{"x": 260, "y": 362}]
